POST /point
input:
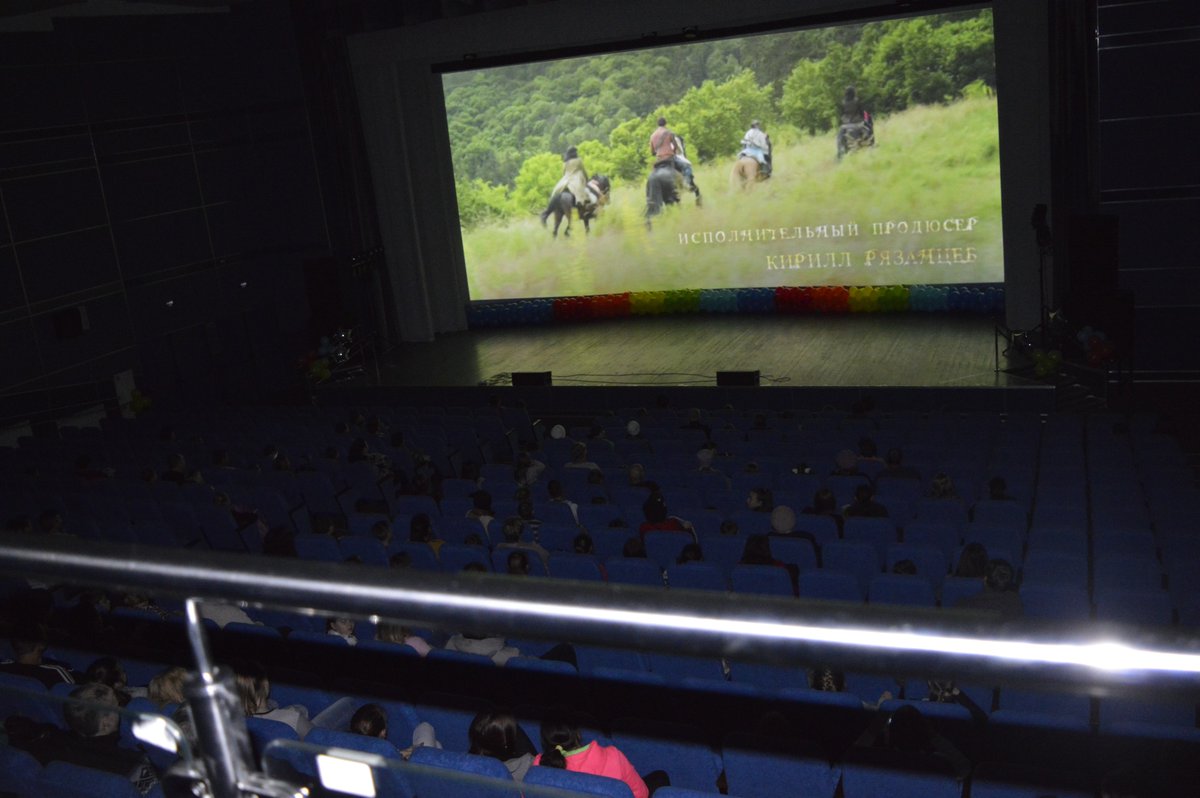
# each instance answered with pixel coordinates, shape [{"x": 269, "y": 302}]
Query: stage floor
[{"x": 913, "y": 350}]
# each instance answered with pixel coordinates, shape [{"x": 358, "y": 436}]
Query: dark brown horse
[{"x": 561, "y": 204}]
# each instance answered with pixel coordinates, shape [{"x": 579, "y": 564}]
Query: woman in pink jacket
[{"x": 563, "y": 747}]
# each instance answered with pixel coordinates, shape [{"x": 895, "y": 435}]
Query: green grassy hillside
[{"x": 930, "y": 163}]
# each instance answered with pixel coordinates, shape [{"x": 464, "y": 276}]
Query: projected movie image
[{"x": 864, "y": 154}]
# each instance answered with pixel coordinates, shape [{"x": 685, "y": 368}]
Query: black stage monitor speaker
[
  {"x": 530, "y": 379},
  {"x": 727, "y": 379}
]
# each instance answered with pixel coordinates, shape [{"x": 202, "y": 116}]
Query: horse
[
  {"x": 746, "y": 172},
  {"x": 856, "y": 135},
  {"x": 561, "y": 204},
  {"x": 662, "y": 188}
]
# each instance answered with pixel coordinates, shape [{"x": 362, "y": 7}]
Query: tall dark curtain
[{"x": 1073, "y": 123}]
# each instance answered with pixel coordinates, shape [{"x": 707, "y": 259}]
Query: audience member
[
  {"x": 894, "y": 467},
  {"x": 637, "y": 477},
  {"x": 254, "y": 690},
  {"x": 178, "y": 472},
  {"x": 29, "y": 648},
  {"x": 598, "y": 439},
  {"x": 557, "y": 496},
  {"x": 481, "y": 508},
  {"x": 563, "y": 747},
  {"x": 497, "y": 734},
  {"x": 343, "y": 628},
  {"x": 107, "y": 671},
  {"x": 654, "y": 509},
  {"x": 998, "y": 490},
  {"x": 513, "y": 529},
  {"x": 381, "y": 530},
  {"x": 167, "y": 687},
  {"x": 396, "y": 633},
  {"x": 760, "y": 500},
  {"x": 942, "y": 487},
  {"x": 864, "y": 504},
  {"x": 420, "y": 530},
  {"x": 846, "y": 464},
  {"x": 517, "y": 564},
  {"x": 497, "y": 648},
  {"x": 824, "y": 502},
  {"x": 92, "y": 738},
  {"x": 579, "y": 458},
  {"x": 704, "y": 467},
  {"x": 371, "y": 720},
  {"x": 757, "y": 551},
  {"x": 696, "y": 421},
  {"x": 527, "y": 470},
  {"x": 999, "y": 592}
]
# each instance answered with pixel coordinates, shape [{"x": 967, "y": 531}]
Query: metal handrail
[{"x": 900, "y": 640}]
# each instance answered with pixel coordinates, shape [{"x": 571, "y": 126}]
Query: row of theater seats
[
  {"x": 695, "y": 747},
  {"x": 1085, "y": 493}
]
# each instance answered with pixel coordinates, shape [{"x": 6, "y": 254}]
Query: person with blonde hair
[
  {"x": 167, "y": 687},
  {"x": 401, "y": 635},
  {"x": 254, "y": 690}
]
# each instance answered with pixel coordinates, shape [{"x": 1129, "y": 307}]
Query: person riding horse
[
  {"x": 667, "y": 148},
  {"x": 757, "y": 144},
  {"x": 857, "y": 129},
  {"x": 574, "y": 180}
]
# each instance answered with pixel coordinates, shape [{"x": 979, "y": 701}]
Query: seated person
[
  {"x": 657, "y": 519},
  {"x": 894, "y": 468},
  {"x": 760, "y": 500},
  {"x": 108, "y": 671},
  {"x": 757, "y": 551},
  {"x": 579, "y": 458},
  {"x": 92, "y": 738},
  {"x": 371, "y": 720},
  {"x": 704, "y": 460},
  {"x": 498, "y": 735},
  {"x": 28, "y": 650},
  {"x": 254, "y": 689},
  {"x": 825, "y": 503},
  {"x": 481, "y": 508},
  {"x": 420, "y": 530},
  {"x": 167, "y": 687},
  {"x": 864, "y": 504},
  {"x": 557, "y": 496},
  {"x": 517, "y": 564},
  {"x": 846, "y": 464},
  {"x": 396, "y": 633},
  {"x": 343, "y": 628},
  {"x": 563, "y": 747},
  {"x": 513, "y": 529},
  {"x": 783, "y": 524},
  {"x": 999, "y": 592}
]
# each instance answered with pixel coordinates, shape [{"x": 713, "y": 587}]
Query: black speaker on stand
[
  {"x": 531, "y": 379},
  {"x": 735, "y": 379}
]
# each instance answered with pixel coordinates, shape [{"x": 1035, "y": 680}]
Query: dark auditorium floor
[{"x": 857, "y": 350}]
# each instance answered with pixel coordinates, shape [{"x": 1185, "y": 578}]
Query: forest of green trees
[{"x": 509, "y": 126}]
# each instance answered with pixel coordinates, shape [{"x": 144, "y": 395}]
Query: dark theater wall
[
  {"x": 158, "y": 174},
  {"x": 1148, "y": 173}
]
